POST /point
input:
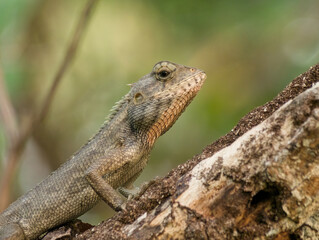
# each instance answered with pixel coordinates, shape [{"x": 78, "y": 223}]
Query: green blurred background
[{"x": 250, "y": 50}]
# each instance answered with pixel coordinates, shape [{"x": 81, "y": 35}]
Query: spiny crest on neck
[{"x": 116, "y": 108}]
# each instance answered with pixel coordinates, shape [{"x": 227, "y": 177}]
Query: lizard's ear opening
[{"x": 138, "y": 98}]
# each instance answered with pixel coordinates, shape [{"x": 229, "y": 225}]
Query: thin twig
[
  {"x": 16, "y": 150},
  {"x": 68, "y": 57},
  {"x": 7, "y": 113},
  {"x": 10, "y": 126},
  {"x": 12, "y": 160}
]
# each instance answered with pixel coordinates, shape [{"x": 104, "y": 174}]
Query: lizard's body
[{"x": 113, "y": 158}]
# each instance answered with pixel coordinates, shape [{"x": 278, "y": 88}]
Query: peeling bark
[{"x": 259, "y": 181}]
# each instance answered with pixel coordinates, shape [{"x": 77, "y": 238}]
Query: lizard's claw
[
  {"x": 123, "y": 206},
  {"x": 119, "y": 205}
]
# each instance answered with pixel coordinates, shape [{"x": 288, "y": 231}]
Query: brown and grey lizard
[{"x": 111, "y": 160}]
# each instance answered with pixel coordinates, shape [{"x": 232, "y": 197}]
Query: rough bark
[{"x": 261, "y": 180}]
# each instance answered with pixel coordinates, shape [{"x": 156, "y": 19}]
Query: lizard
[{"x": 109, "y": 163}]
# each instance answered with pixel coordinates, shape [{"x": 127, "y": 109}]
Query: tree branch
[{"x": 7, "y": 113}]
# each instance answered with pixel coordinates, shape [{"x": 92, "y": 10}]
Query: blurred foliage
[{"x": 249, "y": 49}]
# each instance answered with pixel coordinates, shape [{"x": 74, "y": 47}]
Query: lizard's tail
[{"x": 11, "y": 231}]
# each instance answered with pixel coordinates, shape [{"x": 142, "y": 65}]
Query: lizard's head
[{"x": 158, "y": 99}]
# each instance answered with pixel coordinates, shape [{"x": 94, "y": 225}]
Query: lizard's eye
[
  {"x": 164, "y": 71},
  {"x": 164, "y": 74}
]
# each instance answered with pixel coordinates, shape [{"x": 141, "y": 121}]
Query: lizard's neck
[
  {"x": 168, "y": 117},
  {"x": 117, "y": 130}
]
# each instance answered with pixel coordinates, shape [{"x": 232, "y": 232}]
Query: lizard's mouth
[
  {"x": 199, "y": 79},
  {"x": 191, "y": 85}
]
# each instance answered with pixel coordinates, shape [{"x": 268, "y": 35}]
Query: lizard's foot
[
  {"x": 130, "y": 193},
  {"x": 119, "y": 205}
]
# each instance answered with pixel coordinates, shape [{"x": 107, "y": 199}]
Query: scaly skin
[{"x": 112, "y": 159}]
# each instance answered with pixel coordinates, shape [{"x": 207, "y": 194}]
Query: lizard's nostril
[
  {"x": 203, "y": 75},
  {"x": 192, "y": 69}
]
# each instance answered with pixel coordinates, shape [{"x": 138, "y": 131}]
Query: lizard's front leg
[
  {"x": 101, "y": 187},
  {"x": 105, "y": 190}
]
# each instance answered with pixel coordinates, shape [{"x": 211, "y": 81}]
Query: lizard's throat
[{"x": 169, "y": 117}]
